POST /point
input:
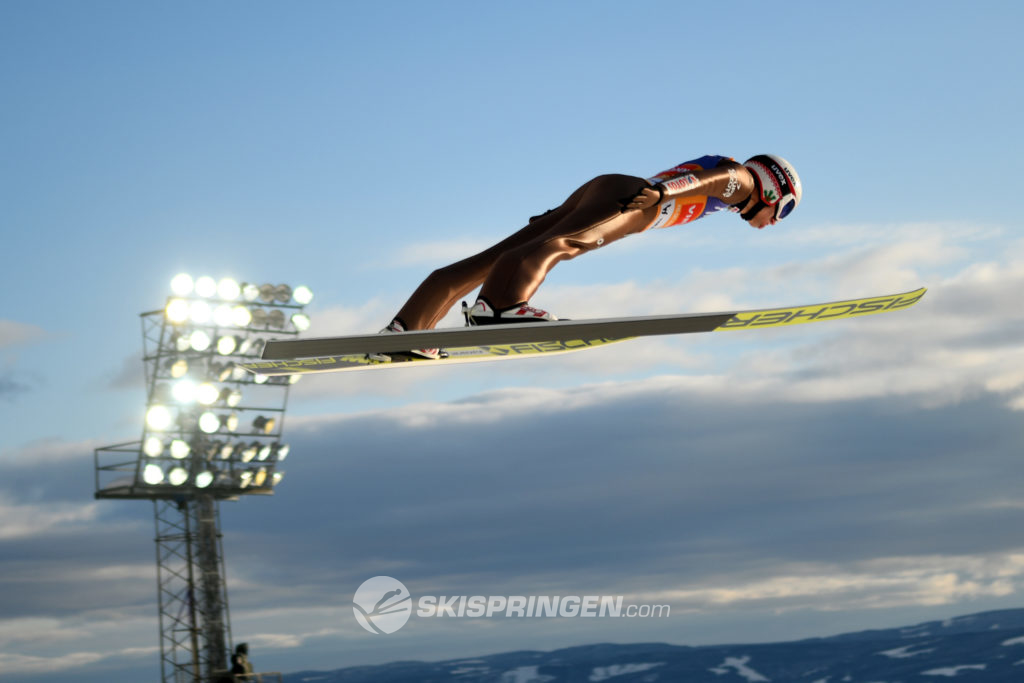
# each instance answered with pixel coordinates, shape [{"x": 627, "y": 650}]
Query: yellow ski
[{"x": 502, "y": 342}]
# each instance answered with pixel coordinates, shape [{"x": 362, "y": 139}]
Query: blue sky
[{"x": 353, "y": 147}]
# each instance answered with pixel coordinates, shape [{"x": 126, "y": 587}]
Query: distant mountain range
[{"x": 983, "y": 648}]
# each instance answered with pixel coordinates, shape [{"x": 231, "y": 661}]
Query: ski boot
[
  {"x": 396, "y": 326},
  {"x": 482, "y": 313}
]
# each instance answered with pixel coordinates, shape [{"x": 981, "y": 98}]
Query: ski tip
[{"x": 836, "y": 310}]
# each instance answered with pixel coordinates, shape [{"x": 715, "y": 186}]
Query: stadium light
[
  {"x": 178, "y": 368},
  {"x": 220, "y": 370},
  {"x": 180, "y": 342},
  {"x": 260, "y": 477},
  {"x": 228, "y": 289},
  {"x": 153, "y": 447},
  {"x": 158, "y": 418},
  {"x": 224, "y": 315},
  {"x": 184, "y": 391},
  {"x": 249, "y": 452},
  {"x": 275, "y": 318},
  {"x": 207, "y": 394},
  {"x": 282, "y": 294},
  {"x": 179, "y": 449},
  {"x": 153, "y": 474},
  {"x": 195, "y": 387},
  {"x": 199, "y": 312},
  {"x": 240, "y": 316},
  {"x": 177, "y": 476},
  {"x": 209, "y": 422},
  {"x": 227, "y": 345},
  {"x": 206, "y": 287},
  {"x": 182, "y": 284},
  {"x": 264, "y": 424},
  {"x": 177, "y": 311},
  {"x": 199, "y": 340}
]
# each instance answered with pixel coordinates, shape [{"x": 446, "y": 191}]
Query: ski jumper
[{"x": 592, "y": 217}]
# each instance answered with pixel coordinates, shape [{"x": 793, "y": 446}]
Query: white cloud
[
  {"x": 282, "y": 641},
  {"x": 13, "y": 333},
  {"x": 28, "y": 641},
  {"x": 32, "y": 664},
  {"x": 14, "y": 664},
  {"x": 50, "y": 451},
  {"x": 875, "y": 584},
  {"x": 21, "y": 520},
  {"x": 119, "y": 572},
  {"x": 38, "y": 629}
]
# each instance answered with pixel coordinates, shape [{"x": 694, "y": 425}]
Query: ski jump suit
[{"x": 593, "y": 216}]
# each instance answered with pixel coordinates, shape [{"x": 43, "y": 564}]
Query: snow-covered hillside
[{"x": 984, "y": 648}]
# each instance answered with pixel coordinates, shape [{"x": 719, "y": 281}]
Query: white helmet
[{"x": 776, "y": 184}]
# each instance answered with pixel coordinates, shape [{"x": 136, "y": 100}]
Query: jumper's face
[{"x": 763, "y": 218}]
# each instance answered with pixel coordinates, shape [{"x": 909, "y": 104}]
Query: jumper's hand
[{"x": 644, "y": 199}]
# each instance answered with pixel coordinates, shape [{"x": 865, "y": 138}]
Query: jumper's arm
[{"x": 729, "y": 181}]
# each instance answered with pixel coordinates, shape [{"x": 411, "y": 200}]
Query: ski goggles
[{"x": 785, "y": 206}]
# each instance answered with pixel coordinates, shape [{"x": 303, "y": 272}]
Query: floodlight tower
[{"x": 212, "y": 432}]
